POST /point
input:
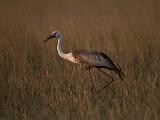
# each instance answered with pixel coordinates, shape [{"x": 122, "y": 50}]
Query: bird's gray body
[
  {"x": 95, "y": 59},
  {"x": 89, "y": 58}
]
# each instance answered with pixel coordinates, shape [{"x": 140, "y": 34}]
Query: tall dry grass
[{"x": 35, "y": 83}]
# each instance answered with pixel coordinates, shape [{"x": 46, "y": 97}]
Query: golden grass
[{"x": 35, "y": 83}]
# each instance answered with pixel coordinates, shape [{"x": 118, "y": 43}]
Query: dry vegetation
[{"x": 35, "y": 83}]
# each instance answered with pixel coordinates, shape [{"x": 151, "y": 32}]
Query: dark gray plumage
[{"x": 91, "y": 59}]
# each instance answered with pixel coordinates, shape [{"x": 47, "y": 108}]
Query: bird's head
[{"x": 55, "y": 35}]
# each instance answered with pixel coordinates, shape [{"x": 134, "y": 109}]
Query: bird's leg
[
  {"x": 112, "y": 79},
  {"x": 89, "y": 72},
  {"x": 92, "y": 83}
]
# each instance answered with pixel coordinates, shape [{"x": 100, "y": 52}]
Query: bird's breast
[{"x": 70, "y": 58}]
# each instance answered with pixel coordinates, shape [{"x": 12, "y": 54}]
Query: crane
[{"x": 87, "y": 58}]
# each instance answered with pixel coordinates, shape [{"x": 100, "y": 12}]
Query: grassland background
[{"x": 35, "y": 83}]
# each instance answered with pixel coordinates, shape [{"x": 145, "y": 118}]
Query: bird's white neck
[
  {"x": 59, "y": 48},
  {"x": 67, "y": 56}
]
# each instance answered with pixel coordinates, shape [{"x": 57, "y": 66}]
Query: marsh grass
[{"x": 35, "y": 83}]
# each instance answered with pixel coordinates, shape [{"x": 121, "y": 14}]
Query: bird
[{"x": 87, "y": 58}]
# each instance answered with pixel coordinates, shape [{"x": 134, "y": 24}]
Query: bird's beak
[{"x": 50, "y": 37}]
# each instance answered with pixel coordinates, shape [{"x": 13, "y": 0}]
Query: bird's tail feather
[{"x": 120, "y": 73}]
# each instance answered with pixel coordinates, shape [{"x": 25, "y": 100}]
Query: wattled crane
[{"x": 87, "y": 58}]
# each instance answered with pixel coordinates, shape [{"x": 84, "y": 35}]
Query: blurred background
[{"x": 35, "y": 83}]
